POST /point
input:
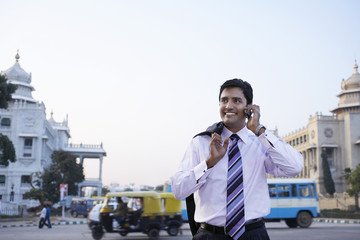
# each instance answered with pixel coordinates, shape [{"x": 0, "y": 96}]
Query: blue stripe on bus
[{"x": 290, "y": 212}]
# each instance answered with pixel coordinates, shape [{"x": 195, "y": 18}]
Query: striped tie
[{"x": 235, "y": 217}]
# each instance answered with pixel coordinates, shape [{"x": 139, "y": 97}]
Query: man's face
[{"x": 232, "y": 104}]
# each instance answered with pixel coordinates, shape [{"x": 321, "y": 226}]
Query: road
[{"x": 277, "y": 231}]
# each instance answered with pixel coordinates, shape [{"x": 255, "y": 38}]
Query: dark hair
[{"x": 245, "y": 86}]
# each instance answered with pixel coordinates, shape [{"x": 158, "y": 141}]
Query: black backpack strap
[{"x": 190, "y": 203}]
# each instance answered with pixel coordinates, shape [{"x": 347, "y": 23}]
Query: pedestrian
[
  {"x": 223, "y": 172},
  {"x": 42, "y": 214},
  {"x": 47, "y": 216}
]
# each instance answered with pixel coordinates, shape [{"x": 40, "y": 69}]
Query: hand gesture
[{"x": 218, "y": 149}]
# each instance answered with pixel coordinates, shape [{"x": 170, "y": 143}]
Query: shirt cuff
[
  {"x": 268, "y": 139},
  {"x": 201, "y": 170}
]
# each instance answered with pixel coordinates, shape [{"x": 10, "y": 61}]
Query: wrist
[{"x": 260, "y": 129}]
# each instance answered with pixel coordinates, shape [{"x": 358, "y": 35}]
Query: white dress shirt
[{"x": 209, "y": 185}]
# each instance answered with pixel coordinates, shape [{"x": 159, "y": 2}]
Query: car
[{"x": 81, "y": 206}]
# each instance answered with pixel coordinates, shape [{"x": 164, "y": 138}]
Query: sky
[{"x": 143, "y": 76}]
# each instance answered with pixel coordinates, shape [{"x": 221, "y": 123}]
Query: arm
[
  {"x": 283, "y": 159},
  {"x": 196, "y": 165},
  {"x": 186, "y": 180}
]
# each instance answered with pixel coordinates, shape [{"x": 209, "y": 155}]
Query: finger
[
  {"x": 226, "y": 143},
  {"x": 216, "y": 138}
]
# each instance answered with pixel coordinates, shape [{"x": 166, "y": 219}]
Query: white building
[
  {"x": 35, "y": 138},
  {"x": 338, "y": 135}
]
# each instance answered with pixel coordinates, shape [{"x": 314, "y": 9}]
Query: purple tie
[{"x": 235, "y": 217}]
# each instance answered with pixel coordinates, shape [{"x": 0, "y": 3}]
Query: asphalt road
[{"x": 277, "y": 231}]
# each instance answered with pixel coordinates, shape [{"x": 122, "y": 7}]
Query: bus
[{"x": 293, "y": 200}]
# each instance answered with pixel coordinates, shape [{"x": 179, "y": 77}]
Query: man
[
  {"x": 42, "y": 217},
  {"x": 235, "y": 211},
  {"x": 120, "y": 211},
  {"x": 47, "y": 216}
]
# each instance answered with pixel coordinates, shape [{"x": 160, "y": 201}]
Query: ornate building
[
  {"x": 337, "y": 135},
  {"x": 34, "y": 138}
]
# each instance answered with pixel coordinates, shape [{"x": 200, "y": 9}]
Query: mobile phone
[{"x": 248, "y": 113}]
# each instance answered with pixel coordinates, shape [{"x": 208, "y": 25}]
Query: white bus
[{"x": 293, "y": 200}]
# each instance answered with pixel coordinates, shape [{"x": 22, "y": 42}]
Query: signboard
[{"x": 63, "y": 191}]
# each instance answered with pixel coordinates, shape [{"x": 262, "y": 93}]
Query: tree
[
  {"x": 6, "y": 89},
  {"x": 353, "y": 178},
  {"x": 328, "y": 181},
  {"x": 7, "y": 151},
  {"x": 104, "y": 190},
  {"x": 63, "y": 170}
]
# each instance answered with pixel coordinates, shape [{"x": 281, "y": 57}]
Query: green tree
[
  {"x": 353, "y": 178},
  {"x": 6, "y": 89},
  {"x": 328, "y": 180},
  {"x": 104, "y": 190},
  {"x": 7, "y": 151},
  {"x": 63, "y": 170}
]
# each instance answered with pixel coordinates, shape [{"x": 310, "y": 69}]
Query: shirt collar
[{"x": 243, "y": 134}]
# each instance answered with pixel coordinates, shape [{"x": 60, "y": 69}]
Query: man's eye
[{"x": 224, "y": 100}]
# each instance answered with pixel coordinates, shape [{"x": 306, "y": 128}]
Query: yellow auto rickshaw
[
  {"x": 144, "y": 214},
  {"x": 172, "y": 213}
]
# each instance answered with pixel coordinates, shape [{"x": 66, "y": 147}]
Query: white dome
[
  {"x": 17, "y": 76},
  {"x": 353, "y": 82}
]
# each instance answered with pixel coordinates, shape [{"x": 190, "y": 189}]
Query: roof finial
[
  {"x": 17, "y": 56},
  {"x": 355, "y": 67}
]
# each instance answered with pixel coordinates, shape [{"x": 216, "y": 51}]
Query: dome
[
  {"x": 16, "y": 73},
  {"x": 353, "y": 82},
  {"x": 17, "y": 76}
]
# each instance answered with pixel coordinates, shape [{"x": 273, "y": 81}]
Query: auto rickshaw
[
  {"x": 172, "y": 213},
  {"x": 144, "y": 215}
]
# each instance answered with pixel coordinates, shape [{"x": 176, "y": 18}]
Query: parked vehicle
[
  {"x": 144, "y": 215},
  {"x": 171, "y": 208},
  {"x": 81, "y": 206},
  {"x": 293, "y": 200}
]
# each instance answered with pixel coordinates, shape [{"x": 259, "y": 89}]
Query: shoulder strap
[{"x": 190, "y": 203}]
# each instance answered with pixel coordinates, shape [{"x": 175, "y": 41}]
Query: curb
[
  {"x": 35, "y": 225},
  {"x": 343, "y": 221}
]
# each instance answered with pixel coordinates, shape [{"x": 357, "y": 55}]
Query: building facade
[
  {"x": 337, "y": 135},
  {"x": 35, "y": 138}
]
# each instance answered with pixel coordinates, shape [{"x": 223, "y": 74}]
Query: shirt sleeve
[
  {"x": 191, "y": 174},
  {"x": 282, "y": 159}
]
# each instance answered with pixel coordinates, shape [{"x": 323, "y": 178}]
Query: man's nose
[{"x": 229, "y": 104}]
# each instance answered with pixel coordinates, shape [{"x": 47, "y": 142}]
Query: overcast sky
[{"x": 142, "y": 77}]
